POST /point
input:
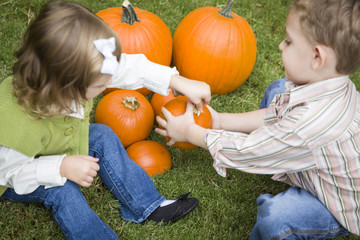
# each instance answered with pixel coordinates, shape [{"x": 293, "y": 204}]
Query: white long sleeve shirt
[{"x": 25, "y": 174}]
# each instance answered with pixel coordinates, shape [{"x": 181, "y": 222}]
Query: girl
[{"x": 48, "y": 149}]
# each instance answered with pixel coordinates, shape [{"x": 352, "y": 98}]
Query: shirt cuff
[
  {"x": 213, "y": 141},
  {"x": 160, "y": 78},
  {"x": 48, "y": 171}
]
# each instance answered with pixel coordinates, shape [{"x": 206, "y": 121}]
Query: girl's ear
[{"x": 320, "y": 53}]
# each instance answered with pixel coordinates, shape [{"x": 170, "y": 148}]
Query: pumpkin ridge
[
  {"x": 230, "y": 66},
  {"x": 152, "y": 31},
  {"x": 238, "y": 65},
  {"x": 195, "y": 60},
  {"x": 213, "y": 25},
  {"x": 214, "y": 47},
  {"x": 183, "y": 28},
  {"x": 243, "y": 71},
  {"x": 246, "y": 35}
]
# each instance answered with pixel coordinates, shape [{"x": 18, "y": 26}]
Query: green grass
[{"x": 227, "y": 208}]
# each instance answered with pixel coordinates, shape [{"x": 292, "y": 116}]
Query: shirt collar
[
  {"x": 77, "y": 112},
  {"x": 316, "y": 91}
]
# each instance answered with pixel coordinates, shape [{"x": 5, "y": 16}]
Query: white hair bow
[{"x": 106, "y": 47}]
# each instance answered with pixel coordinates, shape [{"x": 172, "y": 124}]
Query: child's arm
[
  {"x": 238, "y": 122},
  {"x": 25, "y": 174},
  {"x": 198, "y": 92},
  {"x": 136, "y": 71},
  {"x": 184, "y": 129}
]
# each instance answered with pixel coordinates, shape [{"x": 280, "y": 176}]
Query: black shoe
[{"x": 174, "y": 211}]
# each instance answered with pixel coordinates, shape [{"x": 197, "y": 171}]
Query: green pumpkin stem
[
  {"x": 129, "y": 15},
  {"x": 226, "y": 11},
  {"x": 131, "y": 103}
]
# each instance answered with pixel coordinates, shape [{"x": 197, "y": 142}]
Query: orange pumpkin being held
[
  {"x": 158, "y": 101},
  {"x": 152, "y": 156},
  {"x": 128, "y": 113},
  {"x": 177, "y": 107}
]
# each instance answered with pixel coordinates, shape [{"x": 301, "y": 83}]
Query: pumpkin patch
[
  {"x": 152, "y": 156},
  {"x": 211, "y": 45},
  {"x": 128, "y": 113},
  {"x": 215, "y": 46},
  {"x": 177, "y": 107}
]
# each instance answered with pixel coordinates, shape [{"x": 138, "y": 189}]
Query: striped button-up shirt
[{"x": 310, "y": 139}]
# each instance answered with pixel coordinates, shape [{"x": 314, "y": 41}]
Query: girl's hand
[
  {"x": 176, "y": 127},
  {"x": 198, "y": 92},
  {"x": 80, "y": 169},
  {"x": 215, "y": 118}
]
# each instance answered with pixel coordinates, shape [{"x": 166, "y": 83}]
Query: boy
[{"x": 308, "y": 136}]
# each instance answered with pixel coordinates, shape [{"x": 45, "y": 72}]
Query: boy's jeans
[
  {"x": 295, "y": 213},
  {"x": 128, "y": 182}
]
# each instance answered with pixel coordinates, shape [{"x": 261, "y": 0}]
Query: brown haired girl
[{"x": 47, "y": 146}]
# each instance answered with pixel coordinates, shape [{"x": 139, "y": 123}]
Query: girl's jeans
[
  {"x": 295, "y": 213},
  {"x": 127, "y": 181}
]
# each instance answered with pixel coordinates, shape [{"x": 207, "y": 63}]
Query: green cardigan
[{"x": 50, "y": 136}]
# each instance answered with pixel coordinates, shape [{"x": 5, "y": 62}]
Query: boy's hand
[
  {"x": 175, "y": 127},
  {"x": 80, "y": 169},
  {"x": 198, "y": 92}
]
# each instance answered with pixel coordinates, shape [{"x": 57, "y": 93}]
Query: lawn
[{"x": 227, "y": 208}]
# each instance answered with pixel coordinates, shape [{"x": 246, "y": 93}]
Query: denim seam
[
  {"x": 115, "y": 186},
  {"x": 291, "y": 231}
]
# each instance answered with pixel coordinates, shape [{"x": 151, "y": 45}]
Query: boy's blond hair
[
  {"x": 334, "y": 23},
  {"x": 58, "y": 60}
]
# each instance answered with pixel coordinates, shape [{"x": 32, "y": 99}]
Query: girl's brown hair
[
  {"x": 334, "y": 23},
  {"x": 58, "y": 60}
]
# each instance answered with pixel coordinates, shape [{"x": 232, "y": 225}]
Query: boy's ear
[{"x": 319, "y": 57}]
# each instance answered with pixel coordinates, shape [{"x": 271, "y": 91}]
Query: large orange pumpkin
[
  {"x": 128, "y": 113},
  {"x": 177, "y": 107},
  {"x": 140, "y": 31},
  {"x": 152, "y": 156},
  {"x": 217, "y": 47},
  {"x": 158, "y": 101}
]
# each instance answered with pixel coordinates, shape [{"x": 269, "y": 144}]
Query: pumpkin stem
[
  {"x": 129, "y": 15},
  {"x": 226, "y": 11},
  {"x": 131, "y": 103},
  {"x": 197, "y": 112}
]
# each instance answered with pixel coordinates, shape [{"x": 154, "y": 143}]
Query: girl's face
[
  {"x": 99, "y": 86},
  {"x": 297, "y": 52}
]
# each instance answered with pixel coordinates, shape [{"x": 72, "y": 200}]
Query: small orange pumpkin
[
  {"x": 140, "y": 31},
  {"x": 152, "y": 156},
  {"x": 128, "y": 113},
  {"x": 217, "y": 47},
  {"x": 158, "y": 101},
  {"x": 177, "y": 107}
]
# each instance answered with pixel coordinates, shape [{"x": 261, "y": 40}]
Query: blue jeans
[
  {"x": 294, "y": 213},
  {"x": 127, "y": 181},
  {"x": 276, "y": 87}
]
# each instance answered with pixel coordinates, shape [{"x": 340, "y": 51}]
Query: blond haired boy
[{"x": 308, "y": 136}]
